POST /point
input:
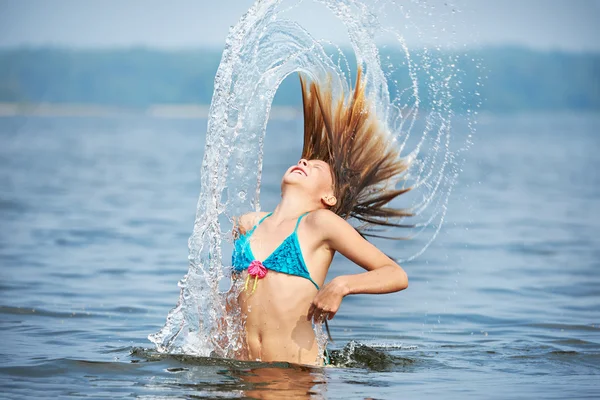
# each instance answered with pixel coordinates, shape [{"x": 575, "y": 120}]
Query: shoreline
[
  {"x": 174, "y": 111},
  {"x": 200, "y": 111}
]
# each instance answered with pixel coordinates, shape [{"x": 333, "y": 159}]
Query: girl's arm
[{"x": 382, "y": 274}]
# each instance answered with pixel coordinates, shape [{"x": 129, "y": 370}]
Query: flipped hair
[{"x": 364, "y": 160}]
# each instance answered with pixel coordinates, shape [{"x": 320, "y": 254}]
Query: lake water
[{"x": 94, "y": 220}]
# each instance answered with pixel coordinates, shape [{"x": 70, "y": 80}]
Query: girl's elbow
[{"x": 402, "y": 280}]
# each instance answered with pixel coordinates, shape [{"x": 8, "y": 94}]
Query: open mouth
[{"x": 298, "y": 170}]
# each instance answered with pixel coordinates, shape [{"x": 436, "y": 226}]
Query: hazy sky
[{"x": 544, "y": 24}]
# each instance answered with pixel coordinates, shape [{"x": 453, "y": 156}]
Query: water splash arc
[{"x": 260, "y": 52}]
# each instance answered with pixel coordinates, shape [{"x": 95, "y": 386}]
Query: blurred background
[
  {"x": 103, "y": 108},
  {"x": 139, "y": 56}
]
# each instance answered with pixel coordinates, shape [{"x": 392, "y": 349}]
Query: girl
[{"x": 283, "y": 256}]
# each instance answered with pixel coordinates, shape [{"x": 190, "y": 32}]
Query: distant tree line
[{"x": 502, "y": 79}]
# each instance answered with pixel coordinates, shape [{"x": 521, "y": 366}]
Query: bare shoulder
[
  {"x": 247, "y": 221},
  {"x": 327, "y": 221}
]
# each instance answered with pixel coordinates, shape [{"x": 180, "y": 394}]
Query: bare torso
[
  {"x": 276, "y": 324},
  {"x": 277, "y": 328}
]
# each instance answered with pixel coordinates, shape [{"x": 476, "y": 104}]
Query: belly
[{"x": 276, "y": 325}]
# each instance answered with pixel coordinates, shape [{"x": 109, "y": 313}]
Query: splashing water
[{"x": 260, "y": 52}]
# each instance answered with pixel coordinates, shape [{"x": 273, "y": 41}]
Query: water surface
[{"x": 94, "y": 220}]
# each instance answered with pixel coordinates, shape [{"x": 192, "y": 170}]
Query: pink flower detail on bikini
[{"x": 258, "y": 271}]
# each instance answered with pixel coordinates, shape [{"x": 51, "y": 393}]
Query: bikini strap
[
  {"x": 300, "y": 219},
  {"x": 251, "y": 231},
  {"x": 263, "y": 218}
]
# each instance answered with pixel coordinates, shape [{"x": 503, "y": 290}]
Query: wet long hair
[{"x": 363, "y": 157}]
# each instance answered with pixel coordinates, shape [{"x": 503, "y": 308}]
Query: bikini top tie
[{"x": 286, "y": 258}]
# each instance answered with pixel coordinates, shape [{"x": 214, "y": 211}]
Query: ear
[{"x": 329, "y": 201}]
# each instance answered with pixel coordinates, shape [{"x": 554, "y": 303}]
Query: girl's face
[{"x": 314, "y": 176}]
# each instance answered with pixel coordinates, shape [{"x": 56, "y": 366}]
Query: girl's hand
[{"x": 327, "y": 301}]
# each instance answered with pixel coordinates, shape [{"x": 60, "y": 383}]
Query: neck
[{"x": 292, "y": 205}]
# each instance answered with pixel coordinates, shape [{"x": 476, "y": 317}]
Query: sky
[{"x": 571, "y": 25}]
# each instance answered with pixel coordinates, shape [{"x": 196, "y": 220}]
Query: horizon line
[{"x": 212, "y": 48}]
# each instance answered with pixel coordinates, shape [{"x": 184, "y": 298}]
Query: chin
[
  {"x": 298, "y": 183},
  {"x": 292, "y": 179}
]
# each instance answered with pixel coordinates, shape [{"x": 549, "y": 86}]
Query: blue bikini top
[{"x": 287, "y": 258}]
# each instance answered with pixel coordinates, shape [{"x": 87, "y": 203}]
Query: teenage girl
[{"x": 349, "y": 168}]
